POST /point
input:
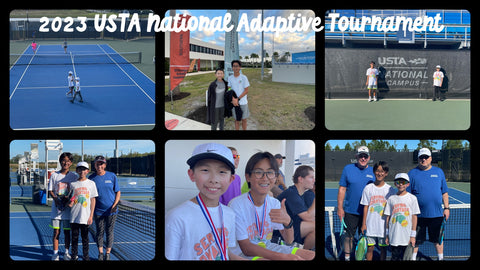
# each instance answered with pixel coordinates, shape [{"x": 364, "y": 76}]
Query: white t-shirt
[
  {"x": 245, "y": 218},
  {"x": 376, "y": 199},
  {"x": 77, "y": 86},
  {"x": 70, "y": 80},
  {"x": 188, "y": 235},
  {"x": 238, "y": 84},
  {"x": 60, "y": 185},
  {"x": 372, "y": 74},
  {"x": 83, "y": 191},
  {"x": 400, "y": 209},
  {"x": 437, "y": 78}
]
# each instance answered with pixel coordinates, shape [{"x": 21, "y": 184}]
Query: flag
[
  {"x": 179, "y": 53},
  {"x": 231, "y": 43}
]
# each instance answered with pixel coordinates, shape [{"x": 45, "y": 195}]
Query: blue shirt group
[
  {"x": 107, "y": 187},
  {"x": 428, "y": 186},
  {"x": 355, "y": 179}
]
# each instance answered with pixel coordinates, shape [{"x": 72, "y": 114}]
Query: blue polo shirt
[
  {"x": 107, "y": 187},
  {"x": 428, "y": 186},
  {"x": 355, "y": 179}
]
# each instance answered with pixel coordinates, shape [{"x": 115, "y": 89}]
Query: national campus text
[{"x": 125, "y": 22}]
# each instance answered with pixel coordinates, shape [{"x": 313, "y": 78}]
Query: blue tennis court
[
  {"x": 116, "y": 94},
  {"x": 457, "y": 242}
]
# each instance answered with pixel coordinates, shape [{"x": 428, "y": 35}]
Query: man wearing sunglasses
[
  {"x": 352, "y": 182},
  {"x": 428, "y": 184}
]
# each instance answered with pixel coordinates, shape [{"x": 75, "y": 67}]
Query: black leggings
[{"x": 105, "y": 224}]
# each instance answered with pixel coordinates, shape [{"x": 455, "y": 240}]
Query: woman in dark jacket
[{"x": 216, "y": 101}]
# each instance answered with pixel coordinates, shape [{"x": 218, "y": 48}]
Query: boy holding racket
[
  {"x": 58, "y": 188},
  {"x": 401, "y": 211},
  {"x": 202, "y": 228},
  {"x": 374, "y": 199},
  {"x": 77, "y": 90},
  {"x": 371, "y": 83}
]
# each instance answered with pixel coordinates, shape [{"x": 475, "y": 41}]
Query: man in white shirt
[{"x": 239, "y": 83}]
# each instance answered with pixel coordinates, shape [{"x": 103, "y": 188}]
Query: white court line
[{"x": 153, "y": 101}]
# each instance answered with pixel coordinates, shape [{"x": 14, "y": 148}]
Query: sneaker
[
  {"x": 107, "y": 257},
  {"x": 374, "y": 98},
  {"x": 369, "y": 99},
  {"x": 100, "y": 256},
  {"x": 55, "y": 257},
  {"x": 67, "y": 257}
]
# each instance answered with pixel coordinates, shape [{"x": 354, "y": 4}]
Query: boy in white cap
[
  {"x": 82, "y": 206},
  {"x": 437, "y": 84},
  {"x": 71, "y": 83},
  {"x": 77, "y": 90},
  {"x": 202, "y": 228},
  {"x": 401, "y": 211}
]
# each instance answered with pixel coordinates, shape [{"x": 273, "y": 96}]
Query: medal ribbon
[
  {"x": 220, "y": 241},
  {"x": 260, "y": 225}
]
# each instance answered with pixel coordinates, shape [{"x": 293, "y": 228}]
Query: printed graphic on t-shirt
[
  {"x": 400, "y": 213},
  {"x": 206, "y": 249},
  {"x": 82, "y": 194}
]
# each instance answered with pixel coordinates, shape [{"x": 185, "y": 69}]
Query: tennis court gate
[{"x": 455, "y": 163}]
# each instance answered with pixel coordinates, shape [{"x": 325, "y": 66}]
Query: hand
[
  {"x": 412, "y": 240},
  {"x": 235, "y": 101},
  {"x": 280, "y": 215},
  {"x": 90, "y": 221}
]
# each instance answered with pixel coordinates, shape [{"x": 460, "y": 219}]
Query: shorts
[
  {"x": 245, "y": 112},
  {"x": 371, "y": 241},
  {"x": 371, "y": 86},
  {"x": 55, "y": 224},
  {"x": 354, "y": 223},
  {"x": 433, "y": 225}
]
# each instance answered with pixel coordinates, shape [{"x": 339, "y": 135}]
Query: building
[
  {"x": 209, "y": 56},
  {"x": 301, "y": 70}
]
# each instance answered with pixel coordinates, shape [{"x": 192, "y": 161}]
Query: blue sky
[
  {"x": 250, "y": 42},
  {"x": 90, "y": 147},
  {"x": 412, "y": 144}
]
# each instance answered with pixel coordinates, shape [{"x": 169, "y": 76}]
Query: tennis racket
[
  {"x": 407, "y": 255},
  {"x": 442, "y": 231},
  {"x": 343, "y": 235},
  {"x": 361, "y": 248}
]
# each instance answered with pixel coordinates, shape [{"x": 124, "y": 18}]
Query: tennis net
[
  {"x": 76, "y": 58},
  {"x": 457, "y": 244},
  {"x": 134, "y": 235}
]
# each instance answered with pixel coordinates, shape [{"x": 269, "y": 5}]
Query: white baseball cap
[
  {"x": 212, "y": 151},
  {"x": 82, "y": 164},
  {"x": 424, "y": 151},
  {"x": 363, "y": 150},
  {"x": 403, "y": 176}
]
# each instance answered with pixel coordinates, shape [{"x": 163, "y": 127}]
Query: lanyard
[
  {"x": 220, "y": 241},
  {"x": 260, "y": 225}
]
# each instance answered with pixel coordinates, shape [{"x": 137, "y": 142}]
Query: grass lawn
[{"x": 272, "y": 105}]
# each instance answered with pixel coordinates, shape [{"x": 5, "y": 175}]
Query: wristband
[
  {"x": 413, "y": 233},
  {"x": 289, "y": 225},
  {"x": 256, "y": 258}
]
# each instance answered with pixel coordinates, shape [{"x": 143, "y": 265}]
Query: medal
[
  {"x": 219, "y": 240},
  {"x": 260, "y": 225}
]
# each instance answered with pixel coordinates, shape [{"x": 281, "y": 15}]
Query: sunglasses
[
  {"x": 401, "y": 182},
  {"x": 423, "y": 157},
  {"x": 236, "y": 156}
]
